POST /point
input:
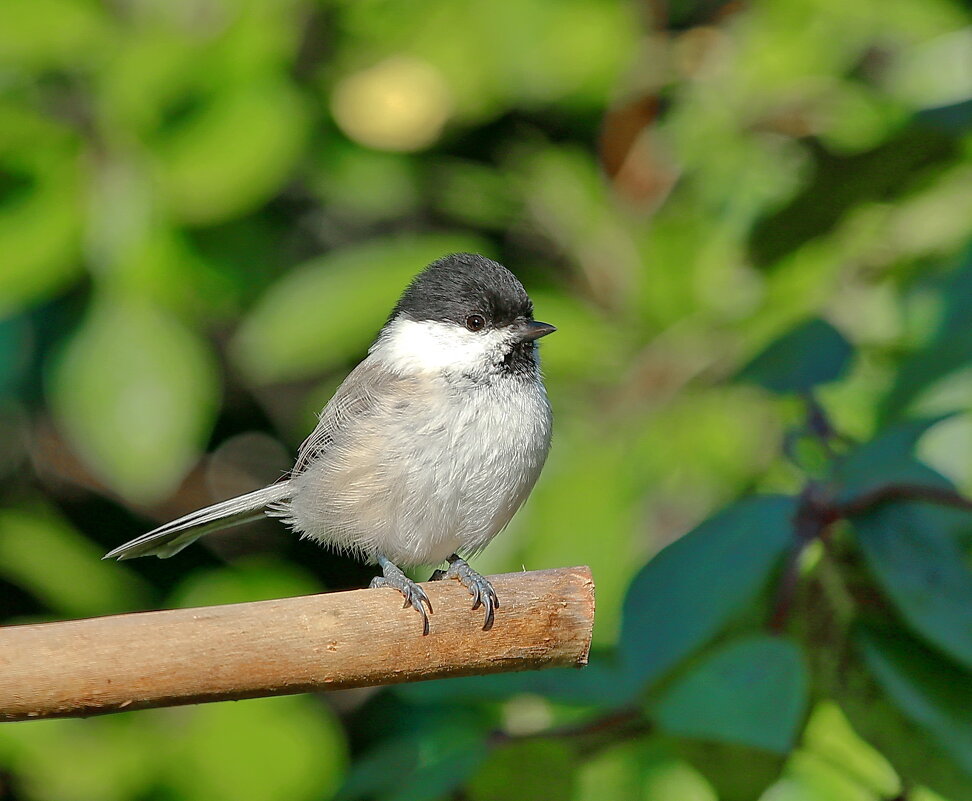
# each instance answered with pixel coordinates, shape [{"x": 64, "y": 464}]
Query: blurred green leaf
[
  {"x": 835, "y": 764},
  {"x": 640, "y": 770},
  {"x": 41, "y": 206},
  {"x": 931, "y": 692},
  {"x": 287, "y": 747},
  {"x": 245, "y": 580},
  {"x": 233, "y": 152},
  {"x": 693, "y": 587},
  {"x": 15, "y": 351},
  {"x": 600, "y": 683},
  {"x": 812, "y": 353},
  {"x": 921, "y": 569},
  {"x": 503, "y": 777},
  {"x": 427, "y": 764},
  {"x": 41, "y": 34},
  {"x": 719, "y": 763},
  {"x": 326, "y": 311},
  {"x": 752, "y": 691},
  {"x": 886, "y": 459},
  {"x": 111, "y": 758},
  {"x": 43, "y": 554},
  {"x": 135, "y": 392},
  {"x": 949, "y": 350}
]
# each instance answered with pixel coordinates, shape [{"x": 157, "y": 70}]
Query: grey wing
[{"x": 359, "y": 396}]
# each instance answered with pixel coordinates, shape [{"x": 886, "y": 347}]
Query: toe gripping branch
[{"x": 479, "y": 587}]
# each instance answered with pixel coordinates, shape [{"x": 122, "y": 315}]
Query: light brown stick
[{"x": 292, "y": 645}]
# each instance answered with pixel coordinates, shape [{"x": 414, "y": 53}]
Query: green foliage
[
  {"x": 207, "y": 208},
  {"x": 930, "y": 693},
  {"x": 752, "y": 691},
  {"x": 921, "y": 569},
  {"x": 811, "y": 354},
  {"x": 132, "y": 374},
  {"x": 690, "y": 590}
]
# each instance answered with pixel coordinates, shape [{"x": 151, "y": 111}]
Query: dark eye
[{"x": 475, "y": 322}]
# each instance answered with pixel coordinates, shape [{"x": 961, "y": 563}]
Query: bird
[{"x": 426, "y": 450}]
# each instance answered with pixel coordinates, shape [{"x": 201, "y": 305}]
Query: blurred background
[{"x": 207, "y": 208}]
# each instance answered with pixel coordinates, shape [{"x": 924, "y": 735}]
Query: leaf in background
[
  {"x": 327, "y": 310},
  {"x": 60, "y": 567},
  {"x": 40, "y": 207},
  {"x": 245, "y": 580},
  {"x": 109, "y": 758},
  {"x": 931, "y": 692},
  {"x": 529, "y": 770},
  {"x": 600, "y": 683},
  {"x": 812, "y": 353},
  {"x": 693, "y": 587},
  {"x": 135, "y": 392},
  {"x": 233, "y": 152},
  {"x": 835, "y": 764},
  {"x": 42, "y": 35},
  {"x": 16, "y": 349},
  {"x": 429, "y": 763},
  {"x": 949, "y": 350},
  {"x": 288, "y": 747},
  {"x": 751, "y": 692},
  {"x": 719, "y": 763},
  {"x": 921, "y": 569},
  {"x": 639, "y": 770},
  {"x": 886, "y": 459}
]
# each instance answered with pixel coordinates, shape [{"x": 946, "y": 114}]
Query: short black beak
[{"x": 532, "y": 329}]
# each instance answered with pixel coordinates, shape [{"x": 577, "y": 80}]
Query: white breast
[{"x": 436, "y": 470}]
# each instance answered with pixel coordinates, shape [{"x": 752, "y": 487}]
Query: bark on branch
[{"x": 291, "y": 645}]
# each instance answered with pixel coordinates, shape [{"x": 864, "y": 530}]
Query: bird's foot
[
  {"x": 479, "y": 587},
  {"x": 414, "y": 595}
]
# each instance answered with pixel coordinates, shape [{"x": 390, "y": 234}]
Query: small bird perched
[{"x": 427, "y": 449}]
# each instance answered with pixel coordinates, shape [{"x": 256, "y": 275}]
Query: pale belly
[{"x": 442, "y": 475}]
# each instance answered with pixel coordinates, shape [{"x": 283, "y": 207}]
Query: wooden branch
[{"x": 292, "y": 645}]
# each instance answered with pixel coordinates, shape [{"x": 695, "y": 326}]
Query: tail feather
[{"x": 172, "y": 537}]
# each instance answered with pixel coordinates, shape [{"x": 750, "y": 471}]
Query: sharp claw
[
  {"x": 425, "y": 623},
  {"x": 488, "y": 624},
  {"x": 477, "y": 597},
  {"x": 424, "y": 599}
]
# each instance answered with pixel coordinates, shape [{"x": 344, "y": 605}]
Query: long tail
[{"x": 171, "y": 538}]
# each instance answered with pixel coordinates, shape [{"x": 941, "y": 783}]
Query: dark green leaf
[
  {"x": 430, "y": 752},
  {"x": 602, "y": 683},
  {"x": 812, "y": 353},
  {"x": 751, "y": 692},
  {"x": 438, "y": 773},
  {"x": 931, "y": 692},
  {"x": 920, "y": 567},
  {"x": 949, "y": 350},
  {"x": 686, "y": 593},
  {"x": 886, "y": 459},
  {"x": 910, "y": 749}
]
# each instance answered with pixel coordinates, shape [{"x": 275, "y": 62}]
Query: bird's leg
[
  {"x": 414, "y": 595},
  {"x": 479, "y": 587}
]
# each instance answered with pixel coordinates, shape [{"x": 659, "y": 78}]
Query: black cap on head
[{"x": 462, "y": 284}]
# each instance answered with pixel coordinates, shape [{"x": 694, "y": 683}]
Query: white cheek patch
[{"x": 430, "y": 346}]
